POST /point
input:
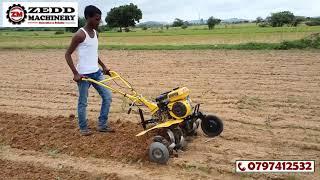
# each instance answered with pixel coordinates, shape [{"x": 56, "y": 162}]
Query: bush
[
  {"x": 126, "y": 29},
  {"x": 20, "y": 29},
  {"x": 312, "y": 41},
  {"x": 184, "y": 26},
  {"x": 263, "y": 25},
  {"x": 144, "y": 28},
  {"x": 59, "y": 32},
  {"x": 177, "y": 22},
  {"x": 104, "y": 28},
  {"x": 313, "y": 23},
  {"x": 255, "y": 46}
]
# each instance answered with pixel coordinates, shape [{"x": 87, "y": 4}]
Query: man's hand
[
  {"x": 106, "y": 71},
  {"x": 77, "y": 77}
]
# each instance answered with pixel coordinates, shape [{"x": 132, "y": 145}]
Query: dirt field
[{"x": 269, "y": 101}]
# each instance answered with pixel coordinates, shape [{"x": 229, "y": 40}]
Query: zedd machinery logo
[{"x": 40, "y": 14}]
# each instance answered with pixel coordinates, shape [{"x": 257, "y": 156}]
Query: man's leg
[
  {"x": 106, "y": 102},
  {"x": 83, "y": 87},
  {"x": 105, "y": 106}
]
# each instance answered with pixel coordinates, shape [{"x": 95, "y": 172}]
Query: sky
[{"x": 168, "y": 10}]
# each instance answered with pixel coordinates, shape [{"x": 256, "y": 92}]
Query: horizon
[{"x": 167, "y": 11}]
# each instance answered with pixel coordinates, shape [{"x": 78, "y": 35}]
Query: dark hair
[{"x": 91, "y": 11}]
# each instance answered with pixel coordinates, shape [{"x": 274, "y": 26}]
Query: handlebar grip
[{"x": 84, "y": 78}]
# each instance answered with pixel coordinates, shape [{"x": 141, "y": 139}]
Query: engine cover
[
  {"x": 180, "y": 109},
  {"x": 178, "y": 94}
]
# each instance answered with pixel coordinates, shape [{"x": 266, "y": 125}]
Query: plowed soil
[
  {"x": 14, "y": 170},
  {"x": 269, "y": 101},
  {"x": 60, "y": 135}
]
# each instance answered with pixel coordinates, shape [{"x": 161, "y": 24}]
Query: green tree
[
  {"x": 123, "y": 16},
  {"x": 259, "y": 20},
  {"x": 212, "y": 22},
  {"x": 298, "y": 20},
  {"x": 178, "y": 22},
  {"x": 281, "y": 18}
]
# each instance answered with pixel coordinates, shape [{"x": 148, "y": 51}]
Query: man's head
[{"x": 92, "y": 15}]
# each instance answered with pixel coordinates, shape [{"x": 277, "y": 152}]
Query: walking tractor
[{"x": 172, "y": 112}]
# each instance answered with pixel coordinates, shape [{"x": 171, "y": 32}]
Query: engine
[{"x": 174, "y": 104}]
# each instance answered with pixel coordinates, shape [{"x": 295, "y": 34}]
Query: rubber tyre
[
  {"x": 158, "y": 153},
  {"x": 211, "y": 125}
]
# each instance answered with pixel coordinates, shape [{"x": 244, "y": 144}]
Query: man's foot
[
  {"x": 106, "y": 129},
  {"x": 85, "y": 132}
]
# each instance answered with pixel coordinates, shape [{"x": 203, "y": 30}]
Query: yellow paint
[
  {"x": 134, "y": 96},
  {"x": 162, "y": 125}
]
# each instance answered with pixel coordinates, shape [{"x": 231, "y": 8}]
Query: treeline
[
  {"x": 211, "y": 22},
  {"x": 313, "y": 21},
  {"x": 287, "y": 18}
]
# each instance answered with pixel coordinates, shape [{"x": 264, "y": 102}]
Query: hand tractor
[{"x": 172, "y": 112}]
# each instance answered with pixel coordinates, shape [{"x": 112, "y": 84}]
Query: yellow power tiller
[{"x": 172, "y": 111}]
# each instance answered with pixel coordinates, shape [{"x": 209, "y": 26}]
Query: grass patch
[
  {"x": 246, "y": 46},
  {"x": 243, "y": 29},
  {"x": 59, "y": 32},
  {"x": 53, "y": 152},
  {"x": 310, "y": 42}
]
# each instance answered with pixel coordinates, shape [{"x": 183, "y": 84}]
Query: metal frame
[{"x": 137, "y": 100}]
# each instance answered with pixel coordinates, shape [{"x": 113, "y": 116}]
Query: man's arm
[
  {"x": 76, "y": 40},
  {"x": 101, "y": 63},
  {"x": 104, "y": 67}
]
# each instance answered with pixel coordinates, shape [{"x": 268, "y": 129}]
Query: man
[{"x": 85, "y": 41}]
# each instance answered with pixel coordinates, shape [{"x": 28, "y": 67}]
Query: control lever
[{"x": 130, "y": 108}]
